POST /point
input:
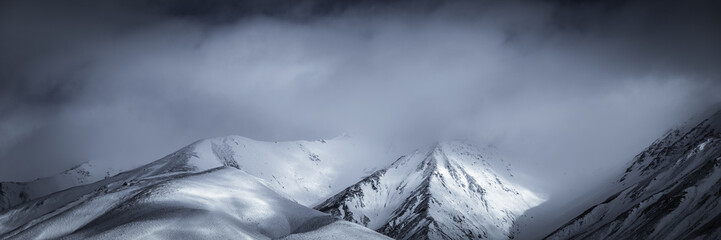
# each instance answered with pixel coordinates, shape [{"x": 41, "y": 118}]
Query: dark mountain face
[{"x": 671, "y": 190}]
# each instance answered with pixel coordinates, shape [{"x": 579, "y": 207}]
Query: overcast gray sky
[{"x": 566, "y": 90}]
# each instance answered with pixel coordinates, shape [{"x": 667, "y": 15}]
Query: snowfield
[
  {"x": 221, "y": 203},
  {"x": 14, "y": 193},
  {"x": 304, "y": 171},
  {"x": 197, "y": 192},
  {"x": 337, "y": 230}
]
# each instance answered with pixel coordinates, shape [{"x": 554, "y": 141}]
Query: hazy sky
[{"x": 564, "y": 89}]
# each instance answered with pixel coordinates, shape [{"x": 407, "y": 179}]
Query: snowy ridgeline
[
  {"x": 220, "y": 203},
  {"x": 449, "y": 191},
  {"x": 262, "y": 190},
  {"x": 670, "y": 191},
  {"x": 197, "y": 192},
  {"x": 304, "y": 171},
  {"x": 14, "y": 193},
  {"x": 234, "y": 187}
]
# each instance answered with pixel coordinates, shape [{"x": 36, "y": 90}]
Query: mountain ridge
[
  {"x": 191, "y": 193},
  {"x": 430, "y": 194},
  {"x": 304, "y": 171},
  {"x": 670, "y": 190},
  {"x": 14, "y": 193}
]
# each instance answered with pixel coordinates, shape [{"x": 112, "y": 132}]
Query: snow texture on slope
[
  {"x": 448, "y": 191},
  {"x": 304, "y": 171},
  {"x": 14, "y": 193},
  {"x": 337, "y": 230},
  {"x": 181, "y": 196},
  {"x": 672, "y": 190}
]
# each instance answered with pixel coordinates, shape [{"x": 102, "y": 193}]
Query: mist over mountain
[
  {"x": 565, "y": 93},
  {"x": 669, "y": 191}
]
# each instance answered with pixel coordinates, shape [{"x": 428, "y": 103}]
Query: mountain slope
[
  {"x": 188, "y": 194},
  {"x": 14, "y": 193},
  {"x": 671, "y": 190},
  {"x": 304, "y": 171},
  {"x": 446, "y": 192}
]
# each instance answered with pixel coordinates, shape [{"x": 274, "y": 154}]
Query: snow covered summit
[
  {"x": 198, "y": 192},
  {"x": 235, "y": 186},
  {"x": 448, "y": 191},
  {"x": 303, "y": 171}
]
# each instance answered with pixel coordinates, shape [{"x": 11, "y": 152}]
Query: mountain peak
[{"x": 445, "y": 191}]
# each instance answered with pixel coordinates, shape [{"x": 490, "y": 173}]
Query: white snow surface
[
  {"x": 448, "y": 191},
  {"x": 14, "y": 193},
  {"x": 338, "y": 230},
  {"x": 182, "y": 196},
  {"x": 304, "y": 171}
]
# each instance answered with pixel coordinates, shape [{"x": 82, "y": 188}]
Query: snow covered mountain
[
  {"x": 196, "y": 192},
  {"x": 448, "y": 191},
  {"x": 304, "y": 171},
  {"x": 671, "y": 190},
  {"x": 14, "y": 193}
]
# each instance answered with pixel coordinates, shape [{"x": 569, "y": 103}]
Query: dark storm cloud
[{"x": 565, "y": 89}]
